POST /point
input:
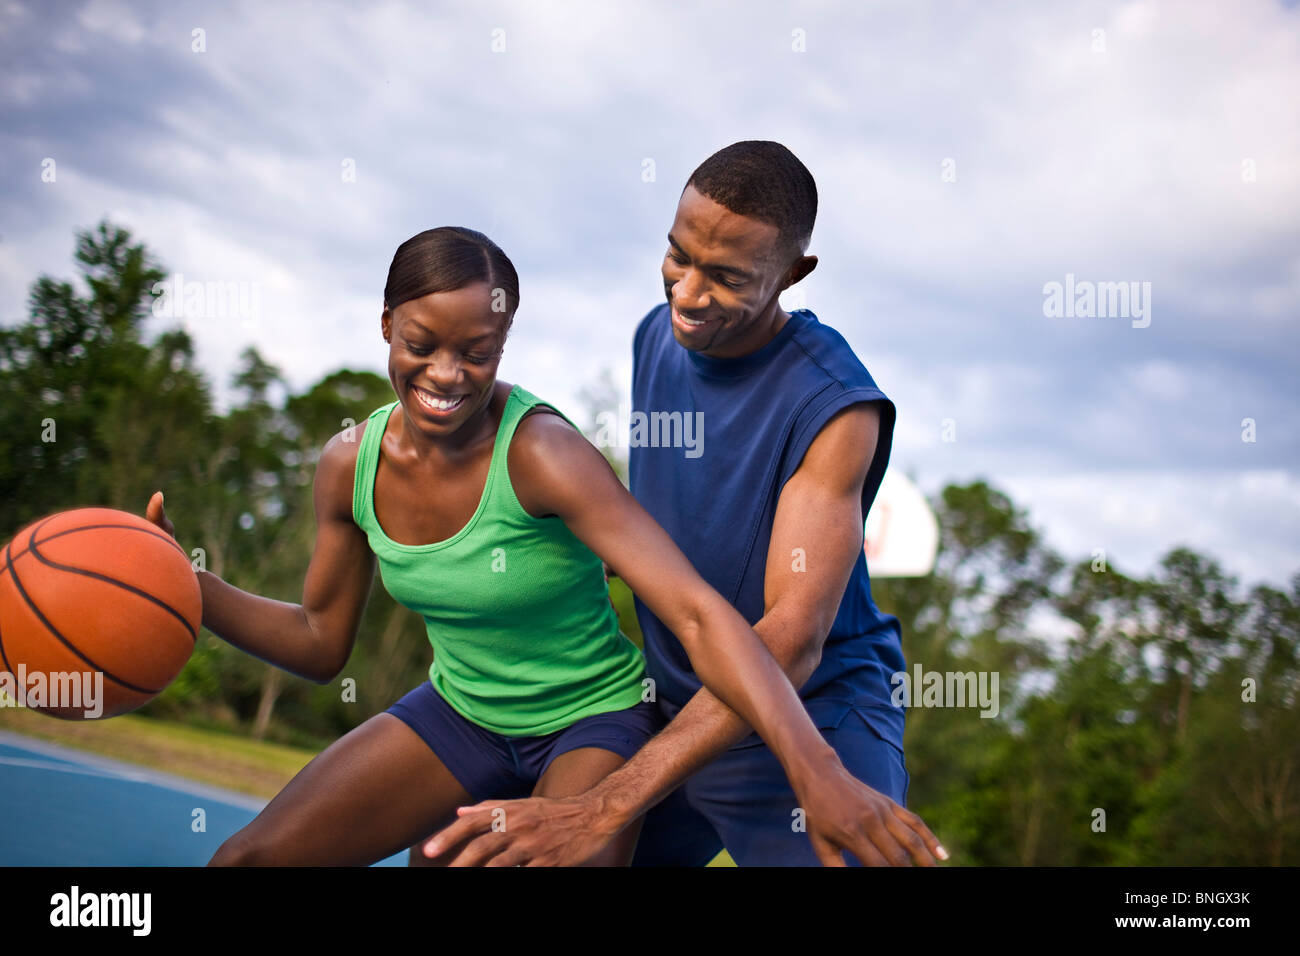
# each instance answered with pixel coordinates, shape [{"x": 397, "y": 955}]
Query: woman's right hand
[{"x": 154, "y": 512}]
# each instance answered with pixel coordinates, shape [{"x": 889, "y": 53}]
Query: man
[{"x": 796, "y": 440}]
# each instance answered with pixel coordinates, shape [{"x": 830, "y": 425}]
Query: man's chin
[
  {"x": 690, "y": 342},
  {"x": 695, "y": 338}
]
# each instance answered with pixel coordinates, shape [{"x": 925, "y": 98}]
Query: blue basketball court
[{"x": 63, "y": 807}]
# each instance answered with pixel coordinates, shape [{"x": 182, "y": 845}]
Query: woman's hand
[{"x": 154, "y": 512}]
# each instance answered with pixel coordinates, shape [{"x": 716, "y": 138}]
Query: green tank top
[{"x": 517, "y": 609}]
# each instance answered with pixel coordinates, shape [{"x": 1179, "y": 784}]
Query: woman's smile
[{"x": 438, "y": 406}]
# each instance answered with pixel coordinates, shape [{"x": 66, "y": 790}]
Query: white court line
[
  {"x": 69, "y": 768},
  {"x": 108, "y": 767}
]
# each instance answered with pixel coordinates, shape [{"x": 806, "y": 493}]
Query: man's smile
[{"x": 688, "y": 325}]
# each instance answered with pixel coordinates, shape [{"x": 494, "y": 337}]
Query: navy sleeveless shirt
[{"x": 713, "y": 484}]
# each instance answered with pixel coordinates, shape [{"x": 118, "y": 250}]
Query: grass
[{"x": 226, "y": 760}]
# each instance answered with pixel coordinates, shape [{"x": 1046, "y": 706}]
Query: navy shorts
[
  {"x": 743, "y": 801},
  {"x": 492, "y": 766}
]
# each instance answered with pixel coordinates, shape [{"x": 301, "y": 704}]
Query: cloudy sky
[{"x": 967, "y": 155}]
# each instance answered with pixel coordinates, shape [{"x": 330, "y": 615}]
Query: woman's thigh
[
  {"x": 577, "y": 771},
  {"x": 588, "y": 751},
  {"x": 368, "y": 795}
]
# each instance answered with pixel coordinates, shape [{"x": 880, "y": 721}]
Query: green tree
[{"x": 90, "y": 413}]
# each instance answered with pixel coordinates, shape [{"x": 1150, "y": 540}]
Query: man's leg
[
  {"x": 745, "y": 795},
  {"x": 675, "y": 834}
]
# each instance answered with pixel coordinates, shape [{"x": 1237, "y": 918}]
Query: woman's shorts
[{"x": 492, "y": 766}]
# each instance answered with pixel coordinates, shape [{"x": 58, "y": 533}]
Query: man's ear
[
  {"x": 800, "y": 270},
  {"x": 386, "y": 323}
]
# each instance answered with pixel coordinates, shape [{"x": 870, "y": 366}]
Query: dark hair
[
  {"x": 449, "y": 258},
  {"x": 765, "y": 181}
]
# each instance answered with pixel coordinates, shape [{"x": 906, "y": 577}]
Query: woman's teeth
[{"x": 437, "y": 404}]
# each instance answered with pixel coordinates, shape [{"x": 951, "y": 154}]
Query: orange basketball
[{"x": 99, "y": 611}]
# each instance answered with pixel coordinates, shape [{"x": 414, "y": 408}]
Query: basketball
[{"x": 99, "y": 611}]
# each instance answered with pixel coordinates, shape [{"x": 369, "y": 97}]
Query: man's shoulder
[
  {"x": 829, "y": 353},
  {"x": 638, "y": 338}
]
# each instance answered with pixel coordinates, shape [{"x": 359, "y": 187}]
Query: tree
[{"x": 81, "y": 417}]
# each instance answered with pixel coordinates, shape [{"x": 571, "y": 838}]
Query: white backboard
[{"x": 902, "y": 535}]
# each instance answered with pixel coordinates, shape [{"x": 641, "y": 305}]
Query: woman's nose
[{"x": 444, "y": 371}]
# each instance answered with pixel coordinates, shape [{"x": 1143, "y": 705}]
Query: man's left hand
[{"x": 844, "y": 814}]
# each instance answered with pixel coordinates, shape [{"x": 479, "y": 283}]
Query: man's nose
[{"x": 689, "y": 292}]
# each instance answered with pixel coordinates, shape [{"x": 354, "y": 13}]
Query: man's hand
[
  {"x": 842, "y": 813},
  {"x": 538, "y": 831}
]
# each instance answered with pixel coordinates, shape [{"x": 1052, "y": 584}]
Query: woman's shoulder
[
  {"x": 548, "y": 458},
  {"x": 337, "y": 465},
  {"x": 343, "y": 445},
  {"x": 541, "y": 426},
  {"x": 529, "y": 410},
  {"x": 544, "y": 436}
]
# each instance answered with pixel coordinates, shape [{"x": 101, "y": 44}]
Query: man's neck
[{"x": 774, "y": 327}]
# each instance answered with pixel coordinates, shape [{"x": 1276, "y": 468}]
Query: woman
[{"x": 489, "y": 514}]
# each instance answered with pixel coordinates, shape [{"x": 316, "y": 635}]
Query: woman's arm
[
  {"x": 818, "y": 509},
  {"x": 555, "y": 470},
  {"x": 313, "y": 639}
]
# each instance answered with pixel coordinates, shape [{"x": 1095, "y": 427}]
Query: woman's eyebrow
[{"x": 417, "y": 327}]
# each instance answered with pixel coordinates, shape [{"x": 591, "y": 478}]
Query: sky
[{"x": 967, "y": 156}]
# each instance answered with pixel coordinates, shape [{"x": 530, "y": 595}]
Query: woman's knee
[
  {"x": 416, "y": 857},
  {"x": 248, "y": 849}
]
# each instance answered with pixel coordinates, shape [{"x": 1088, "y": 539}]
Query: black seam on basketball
[
  {"x": 107, "y": 580},
  {"x": 89, "y": 527},
  {"x": 8, "y": 548},
  {"x": 66, "y": 643}
]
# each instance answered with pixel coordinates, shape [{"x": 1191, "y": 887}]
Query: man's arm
[{"x": 819, "y": 512}]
